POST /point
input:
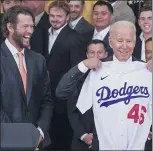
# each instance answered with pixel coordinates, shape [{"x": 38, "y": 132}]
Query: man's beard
[{"x": 18, "y": 39}]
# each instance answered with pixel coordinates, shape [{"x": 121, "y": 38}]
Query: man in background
[
  {"x": 65, "y": 49},
  {"x": 37, "y": 41},
  {"x": 38, "y": 9},
  {"x": 122, "y": 11},
  {"x": 102, "y": 16},
  {"x": 113, "y": 112},
  {"x": 82, "y": 125},
  {"x": 145, "y": 23},
  {"x": 77, "y": 21}
]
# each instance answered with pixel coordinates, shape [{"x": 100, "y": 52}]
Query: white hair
[{"x": 121, "y": 24}]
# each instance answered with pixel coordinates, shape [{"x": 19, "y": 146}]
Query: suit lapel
[
  {"x": 9, "y": 62},
  {"x": 79, "y": 24},
  {"x": 59, "y": 39},
  {"x": 30, "y": 68}
]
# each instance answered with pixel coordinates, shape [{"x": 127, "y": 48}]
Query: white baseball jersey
[{"x": 121, "y": 96}]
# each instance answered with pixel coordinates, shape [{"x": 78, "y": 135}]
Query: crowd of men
[{"x": 50, "y": 67}]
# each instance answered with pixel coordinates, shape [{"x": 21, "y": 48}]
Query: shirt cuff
[
  {"x": 83, "y": 136},
  {"x": 41, "y": 132},
  {"x": 82, "y": 67}
]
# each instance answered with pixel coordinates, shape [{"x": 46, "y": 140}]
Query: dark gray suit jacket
[
  {"x": 83, "y": 26},
  {"x": 36, "y": 105}
]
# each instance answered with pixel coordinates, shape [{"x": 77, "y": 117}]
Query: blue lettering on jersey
[{"x": 127, "y": 93}]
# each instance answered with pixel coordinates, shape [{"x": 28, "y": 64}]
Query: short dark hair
[
  {"x": 60, "y": 4},
  {"x": 11, "y": 16},
  {"x": 144, "y": 9},
  {"x": 97, "y": 41},
  {"x": 104, "y": 3},
  {"x": 149, "y": 39}
]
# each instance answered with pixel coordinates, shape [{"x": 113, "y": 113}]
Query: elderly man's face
[
  {"x": 122, "y": 42},
  {"x": 148, "y": 51},
  {"x": 10, "y": 3}
]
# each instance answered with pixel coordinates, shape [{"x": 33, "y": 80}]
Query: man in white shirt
[
  {"x": 77, "y": 21},
  {"x": 145, "y": 23},
  {"x": 122, "y": 11},
  {"x": 120, "y": 89},
  {"x": 65, "y": 50},
  {"x": 102, "y": 16}
]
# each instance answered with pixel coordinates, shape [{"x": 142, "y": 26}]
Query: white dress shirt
[
  {"x": 52, "y": 37},
  {"x": 101, "y": 35},
  {"x": 142, "y": 47},
  {"x": 74, "y": 22},
  {"x": 38, "y": 17},
  {"x": 14, "y": 53}
]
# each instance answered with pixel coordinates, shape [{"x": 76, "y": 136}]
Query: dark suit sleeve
[
  {"x": 74, "y": 115},
  {"x": 47, "y": 103},
  {"x": 4, "y": 118},
  {"x": 77, "y": 50},
  {"x": 68, "y": 83}
]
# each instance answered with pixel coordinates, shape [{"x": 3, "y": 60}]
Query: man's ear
[
  {"x": 10, "y": 27},
  {"x": 110, "y": 41},
  {"x": 87, "y": 54}
]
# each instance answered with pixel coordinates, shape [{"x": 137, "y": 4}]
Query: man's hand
[
  {"x": 92, "y": 63},
  {"x": 150, "y": 135},
  {"x": 149, "y": 65},
  {"x": 39, "y": 141},
  {"x": 88, "y": 139}
]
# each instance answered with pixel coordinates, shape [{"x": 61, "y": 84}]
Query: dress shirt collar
[
  {"x": 116, "y": 60},
  {"x": 75, "y": 22},
  {"x": 38, "y": 17},
  {"x": 114, "y": 3},
  {"x": 141, "y": 36},
  {"x": 12, "y": 49},
  {"x": 50, "y": 31},
  {"x": 103, "y": 32}
]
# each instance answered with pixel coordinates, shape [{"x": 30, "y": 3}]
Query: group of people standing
[{"x": 45, "y": 59}]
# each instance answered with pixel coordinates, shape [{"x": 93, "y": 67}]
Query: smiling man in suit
[
  {"x": 65, "y": 49},
  {"x": 145, "y": 23},
  {"x": 77, "y": 21},
  {"x": 25, "y": 91},
  {"x": 102, "y": 16}
]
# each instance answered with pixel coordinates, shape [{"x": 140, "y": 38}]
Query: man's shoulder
[
  {"x": 86, "y": 23},
  {"x": 36, "y": 55}
]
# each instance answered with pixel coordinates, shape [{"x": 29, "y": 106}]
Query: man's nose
[{"x": 124, "y": 44}]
